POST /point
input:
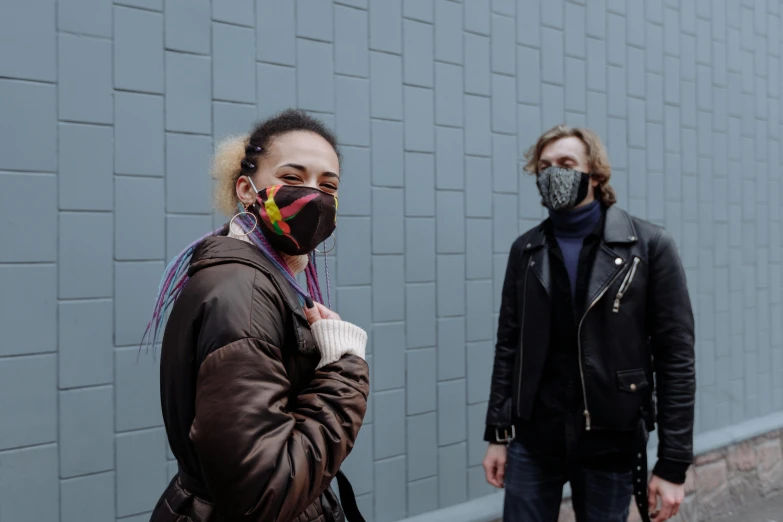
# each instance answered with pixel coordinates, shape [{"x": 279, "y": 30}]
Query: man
[{"x": 595, "y": 343}]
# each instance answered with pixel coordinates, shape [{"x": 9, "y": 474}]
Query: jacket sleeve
[
  {"x": 499, "y": 407},
  {"x": 267, "y": 452},
  {"x": 672, "y": 341}
]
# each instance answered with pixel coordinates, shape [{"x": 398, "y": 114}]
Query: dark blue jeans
[{"x": 534, "y": 489}]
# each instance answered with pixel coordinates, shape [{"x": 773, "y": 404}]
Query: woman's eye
[{"x": 329, "y": 186}]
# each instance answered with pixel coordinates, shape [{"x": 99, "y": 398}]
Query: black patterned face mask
[{"x": 561, "y": 188}]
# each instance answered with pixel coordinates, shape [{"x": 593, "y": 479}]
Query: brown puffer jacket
[{"x": 258, "y": 433}]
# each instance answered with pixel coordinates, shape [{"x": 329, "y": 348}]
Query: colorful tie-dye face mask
[{"x": 294, "y": 219}]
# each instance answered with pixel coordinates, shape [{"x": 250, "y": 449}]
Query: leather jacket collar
[{"x": 618, "y": 231}]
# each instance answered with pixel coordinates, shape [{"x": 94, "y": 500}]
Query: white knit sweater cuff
[{"x": 337, "y": 338}]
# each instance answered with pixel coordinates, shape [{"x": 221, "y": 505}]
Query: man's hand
[
  {"x": 671, "y": 496},
  {"x": 495, "y": 464},
  {"x": 318, "y": 312}
]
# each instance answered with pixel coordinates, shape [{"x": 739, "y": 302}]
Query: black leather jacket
[{"x": 638, "y": 324}]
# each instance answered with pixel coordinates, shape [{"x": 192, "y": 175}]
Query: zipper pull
[
  {"x": 616, "y": 306},
  {"x": 587, "y": 420}
]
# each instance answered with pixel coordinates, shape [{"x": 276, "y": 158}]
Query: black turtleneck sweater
[{"x": 570, "y": 229}]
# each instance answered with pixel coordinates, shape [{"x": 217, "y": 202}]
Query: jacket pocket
[
  {"x": 632, "y": 381},
  {"x": 626, "y": 284}
]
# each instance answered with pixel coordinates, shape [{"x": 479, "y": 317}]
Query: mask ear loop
[
  {"x": 252, "y": 185},
  {"x": 326, "y": 268},
  {"x": 328, "y": 283},
  {"x": 334, "y": 244}
]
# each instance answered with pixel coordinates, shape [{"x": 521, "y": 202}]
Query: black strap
[
  {"x": 348, "y": 499},
  {"x": 193, "y": 485},
  {"x": 639, "y": 471}
]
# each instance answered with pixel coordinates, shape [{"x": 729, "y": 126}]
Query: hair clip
[
  {"x": 247, "y": 165},
  {"x": 253, "y": 149}
]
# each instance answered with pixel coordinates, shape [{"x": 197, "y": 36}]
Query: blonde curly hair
[{"x": 226, "y": 169}]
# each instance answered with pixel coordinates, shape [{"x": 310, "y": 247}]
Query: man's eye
[{"x": 329, "y": 186}]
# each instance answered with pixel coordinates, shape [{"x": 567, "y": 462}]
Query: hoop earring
[
  {"x": 334, "y": 244},
  {"x": 255, "y": 222}
]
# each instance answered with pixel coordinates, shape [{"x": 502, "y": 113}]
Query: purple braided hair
[
  {"x": 171, "y": 284},
  {"x": 176, "y": 276}
]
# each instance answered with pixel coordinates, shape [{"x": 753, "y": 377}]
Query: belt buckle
[{"x": 507, "y": 438}]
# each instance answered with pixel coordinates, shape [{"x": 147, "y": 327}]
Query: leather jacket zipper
[
  {"x": 586, "y": 413},
  {"x": 522, "y": 331},
  {"x": 625, "y": 285}
]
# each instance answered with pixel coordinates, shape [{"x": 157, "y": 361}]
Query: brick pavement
[
  {"x": 729, "y": 480},
  {"x": 768, "y": 510}
]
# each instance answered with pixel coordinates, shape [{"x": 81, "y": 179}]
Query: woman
[{"x": 263, "y": 390}]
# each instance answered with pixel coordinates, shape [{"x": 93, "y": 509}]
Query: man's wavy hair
[{"x": 597, "y": 158}]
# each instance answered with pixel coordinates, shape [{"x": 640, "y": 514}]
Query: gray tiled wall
[{"x": 108, "y": 114}]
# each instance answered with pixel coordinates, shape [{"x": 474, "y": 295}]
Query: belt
[
  {"x": 639, "y": 470},
  {"x": 347, "y": 496}
]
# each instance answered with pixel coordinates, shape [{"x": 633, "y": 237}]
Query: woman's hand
[{"x": 317, "y": 311}]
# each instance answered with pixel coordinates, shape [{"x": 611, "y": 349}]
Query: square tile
[
  {"x": 86, "y": 166},
  {"x": 137, "y": 390},
  {"x": 88, "y": 498},
  {"x": 138, "y": 50},
  {"x": 28, "y": 309},
  {"x": 139, "y": 219},
  {"x": 86, "y": 352},
  {"x": 188, "y": 26},
  {"x": 86, "y": 439},
  {"x": 135, "y": 288},
  {"x": 28, "y": 394},
  {"x": 188, "y": 93},
  {"x": 233, "y": 63},
  {"x": 88, "y": 17},
  {"x": 138, "y": 134},
  {"x": 141, "y": 470},
  {"x": 86, "y": 265},
  {"x": 85, "y": 84},
  {"x": 188, "y": 187},
  {"x": 28, "y": 128},
  {"x": 17, "y": 192},
  {"x": 30, "y": 489},
  {"x": 30, "y": 26}
]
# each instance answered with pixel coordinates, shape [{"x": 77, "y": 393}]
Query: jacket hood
[{"x": 220, "y": 250}]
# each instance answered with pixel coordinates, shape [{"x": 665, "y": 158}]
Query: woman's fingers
[
  {"x": 326, "y": 313},
  {"x": 311, "y": 312},
  {"x": 316, "y": 311}
]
